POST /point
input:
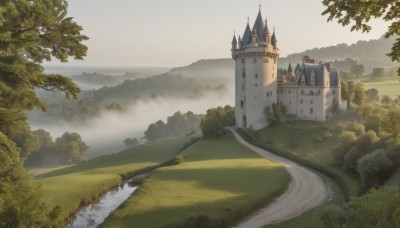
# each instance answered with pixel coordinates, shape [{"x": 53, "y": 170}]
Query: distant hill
[{"x": 371, "y": 53}]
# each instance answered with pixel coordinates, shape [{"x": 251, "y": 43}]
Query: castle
[{"x": 310, "y": 91}]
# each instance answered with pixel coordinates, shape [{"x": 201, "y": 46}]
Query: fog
[{"x": 105, "y": 133}]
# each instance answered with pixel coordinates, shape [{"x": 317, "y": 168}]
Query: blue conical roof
[
  {"x": 274, "y": 40},
  {"x": 247, "y": 35},
  {"x": 234, "y": 41},
  {"x": 259, "y": 26}
]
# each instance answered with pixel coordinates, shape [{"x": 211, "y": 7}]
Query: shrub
[{"x": 372, "y": 168}]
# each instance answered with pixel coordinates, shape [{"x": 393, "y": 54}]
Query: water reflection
[{"x": 94, "y": 214}]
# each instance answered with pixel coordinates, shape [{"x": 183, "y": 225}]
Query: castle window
[
  {"x": 241, "y": 104},
  {"x": 301, "y": 101},
  {"x": 243, "y": 75},
  {"x": 311, "y": 102},
  {"x": 311, "y": 92},
  {"x": 242, "y": 60},
  {"x": 256, "y": 76},
  {"x": 243, "y": 87},
  {"x": 269, "y": 94},
  {"x": 301, "y": 111},
  {"x": 319, "y": 92},
  {"x": 303, "y": 82},
  {"x": 255, "y": 85},
  {"x": 311, "y": 110},
  {"x": 302, "y": 92},
  {"x": 254, "y": 60},
  {"x": 333, "y": 92}
]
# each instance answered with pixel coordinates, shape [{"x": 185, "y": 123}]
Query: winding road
[{"x": 306, "y": 191}]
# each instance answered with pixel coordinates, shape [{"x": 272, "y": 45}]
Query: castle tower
[{"x": 256, "y": 70}]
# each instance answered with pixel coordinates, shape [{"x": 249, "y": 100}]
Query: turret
[
  {"x": 267, "y": 34},
  {"x": 274, "y": 41},
  {"x": 234, "y": 42},
  {"x": 290, "y": 69}
]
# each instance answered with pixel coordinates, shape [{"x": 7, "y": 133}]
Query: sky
[{"x": 155, "y": 33}]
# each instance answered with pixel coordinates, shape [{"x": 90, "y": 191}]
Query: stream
[{"x": 94, "y": 214}]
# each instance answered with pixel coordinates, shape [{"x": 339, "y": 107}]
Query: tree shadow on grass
[{"x": 242, "y": 190}]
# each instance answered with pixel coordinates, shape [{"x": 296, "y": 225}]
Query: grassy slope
[
  {"x": 389, "y": 87},
  {"x": 68, "y": 186},
  {"x": 220, "y": 179},
  {"x": 307, "y": 146}
]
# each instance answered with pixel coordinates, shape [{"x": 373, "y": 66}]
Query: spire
[
  {"x": 290, "y": 70},
  {"x": 274, "y": 40},
  {"x": 266, "y": 29},
  {"x": 259, "y": 25},
  {"x": 234, "y": 41},
  {"x": 246, "y": 38}
]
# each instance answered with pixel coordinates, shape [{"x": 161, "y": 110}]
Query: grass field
[
  {"x": 69, "y": 186},
  {"x": 311, "y": 140},
  {"x": 219, "y": 182},
  {"x": 389, "y": 87}
]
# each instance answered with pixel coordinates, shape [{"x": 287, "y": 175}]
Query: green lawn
[
  {"x": 304, "y": 138},
  {"x": 220, "y": 179},
  {"x": 389, "y": 87},
  {"x": 69, "y": 186}
]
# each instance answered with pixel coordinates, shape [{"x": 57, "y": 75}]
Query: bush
[
  {"x": 377, "y": 208},
  {"x": 216, "y": 120},
  {"x": 372, "y": 168}
]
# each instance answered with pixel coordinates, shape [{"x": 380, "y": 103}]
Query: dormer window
[
  {"x": 303, "y": 82},
  {"x": 313, "y": 79},
  {"x": 256, "y": 76}
]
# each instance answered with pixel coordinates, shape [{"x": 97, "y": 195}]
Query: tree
[
  {"x": 355, "y": 127},
  {"x": 21, "y": 204},
  {"x": 361, "y": 12},
  {"x": 386, "y": 100},
  {"x": 346, "y": 140},
  {"x": 357, "y": 70},
  {"x": 359, "y": 93},
  {"x": 372, "y": 166},
  {"x": 30, "y": 32},
  {"x": 274, "y": 113},
  {"x": 71, "y": 147},
  {"x": 372, "y": 95},
  {"x": 216, "y": 120},
  {"x": 391, "y": 123},
  {"x": 131, "y": 142},
  {"x": 377, "y": 73}
]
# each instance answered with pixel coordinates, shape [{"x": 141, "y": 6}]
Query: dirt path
[{"x": 306, "y": 191}]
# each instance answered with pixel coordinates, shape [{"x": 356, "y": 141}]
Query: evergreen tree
[{"x": 30, "y": 32}]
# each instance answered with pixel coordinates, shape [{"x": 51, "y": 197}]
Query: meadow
[
  {"x": 71, "y": 186},
  {"x": 388, "y": 87},
  {"x": 219, "y": 182}
]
